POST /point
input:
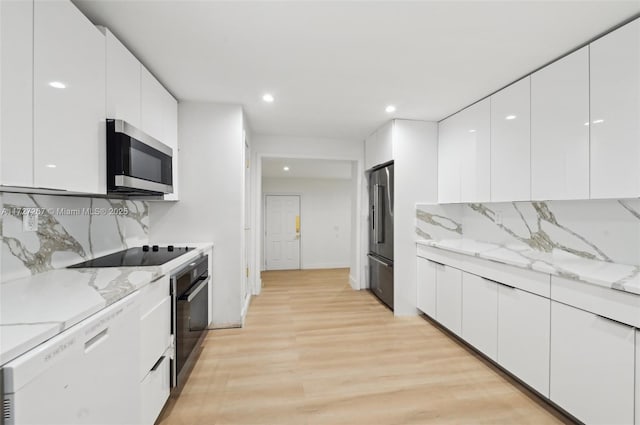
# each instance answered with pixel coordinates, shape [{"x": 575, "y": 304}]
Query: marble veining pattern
[
  {"x": 38, "y": 307},
  {"x": 593, "y": 241},
  {"x": 70, "y": 230}
]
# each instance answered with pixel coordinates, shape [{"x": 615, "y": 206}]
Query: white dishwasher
[{"x": 86, "y": 375}]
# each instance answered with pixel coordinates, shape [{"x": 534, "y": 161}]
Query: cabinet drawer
[
  {"x": 527, "y": 280},
  {"x": 152, "y": 294},
  {"x": 592, "y": 366},
  {"x": 611, "y": 303},
  {"x": 155, "y": 331},
  {"x": 154, "y": 391}
]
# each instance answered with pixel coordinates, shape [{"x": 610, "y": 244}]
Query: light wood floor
[{"x": 315, "y": 352}]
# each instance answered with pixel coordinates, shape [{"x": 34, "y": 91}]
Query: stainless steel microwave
[{"x": 137, "y": 164}]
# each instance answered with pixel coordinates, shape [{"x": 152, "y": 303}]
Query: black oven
[
  {"x": 137, "y": 164},
  {"x": 190, "y": 295}
]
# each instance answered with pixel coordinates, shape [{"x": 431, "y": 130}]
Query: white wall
[
  {"x": 325, "y": 218},
  {"x": 301, "y": 147},
  {"x": 211, "y": 199},
  {"x": 415, "y": 153}
]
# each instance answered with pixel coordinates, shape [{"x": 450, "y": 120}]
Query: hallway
[{"x": 313, "y": 351}]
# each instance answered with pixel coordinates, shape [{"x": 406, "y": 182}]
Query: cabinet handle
[
  {"x": 437, "y": 264},
  {"x": 157, "y": 364},
  {"x": 157, "y": 278},
  {"x": 95, "y": 339},
  {"x": 608, "y": 319},
  {"x": 499, "y": 283}
]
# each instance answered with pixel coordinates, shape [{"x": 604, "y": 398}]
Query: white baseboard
[
  {"x": 326, "y": 266},
  {"x": 224, "y": 326},
  {"x": 353, "y": 283},
  {"x": 245, "y": 308}
]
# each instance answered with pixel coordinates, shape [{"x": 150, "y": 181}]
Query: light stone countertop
[
  {"x": 622, "y": 277},
  {"x": 36, "y": 308}
]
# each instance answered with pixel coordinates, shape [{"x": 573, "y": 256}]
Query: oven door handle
[{"x": 191, "y": 294}]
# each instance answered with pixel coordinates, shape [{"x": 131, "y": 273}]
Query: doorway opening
[{"x": 309, "y": 213}]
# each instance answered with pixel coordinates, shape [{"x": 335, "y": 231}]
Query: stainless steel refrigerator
[{"x": 381, "y": 233}]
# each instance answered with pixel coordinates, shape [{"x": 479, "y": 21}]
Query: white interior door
[{"x": 282, "y": 238}]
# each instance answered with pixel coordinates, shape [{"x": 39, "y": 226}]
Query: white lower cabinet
[
  {"x": 480, "y": 313},
  {"x": 523, "y": 336},
  {"x": 449, "y": 298},
  {"x": 426, "y": 286},
  {"x": 592, "y": 366},
  {"x": 154, "y": 390},
  {"x": 155, "y": 341}
]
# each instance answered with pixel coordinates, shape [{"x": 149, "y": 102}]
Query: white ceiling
[
  {"x": 306, "y": 168},
  {"x": 334, "y": 65}
]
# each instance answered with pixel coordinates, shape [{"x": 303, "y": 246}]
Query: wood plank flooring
[{"x": 313, "y": 351}]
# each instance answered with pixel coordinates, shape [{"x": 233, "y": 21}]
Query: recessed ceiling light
[
  {"x": 58, "y": 85},
  {"x": 510, "y": 117},
  {"x": 472, "y": 131},
  {"x": 587, "y": 123},
  {"x": 51, "y": 165},
  {"x": 390, "y": 108},
  {"x": 268, "y": 97},
  {"x": 598, "y": 121},
  {"x": 285, "y": 168}
]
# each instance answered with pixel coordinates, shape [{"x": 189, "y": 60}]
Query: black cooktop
[{"x": 140, "y": 256}]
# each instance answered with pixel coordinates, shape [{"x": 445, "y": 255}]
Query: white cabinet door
[
  {"x": 152, "y": 101},
  {"x": 475, "y": 152},
  {"x": 379, "y": 146},
  {"x": 426, "y": 286},
  {"x": 480, "y": 313},
  {"x": 449, "y": 298},
  {"x": 123, "y": 82},
  {"x": 523, "y": 336},
  {"x": 592, "y": 366},
  {"x": 69, "y": 100},
  {"x": 154, "y": 391},
  {"x": 16, "y": 93},
  {"x": 560, "y": 130},
  {"x": 448, "y": 161},
  {"x": 170, "y": 130},
  {"x": 464, "y": 155},
  {"x": 615, "y": 113},
  {"x": 510, "y": 143}
]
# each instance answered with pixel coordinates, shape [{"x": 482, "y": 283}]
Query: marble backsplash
[
  {"x": 605, "y": 230},
  {"x": 70, "y": 230}
]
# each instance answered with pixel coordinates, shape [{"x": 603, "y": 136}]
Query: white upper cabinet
[
  {"x": 69, "y": 100},
  {"x": 16, "y": 93},
  {"x": 615, "y": 113},
  {"x": 560, "y": 129},
  {"x": 170, "y": 130},
  {"x": 510, "y": 143},
  {"x": 475, "y": 157},
  {"x": 152, "y": 105},
  {"x": 448, "y": 161},
  {"x": 379, "y": 146},
  {"x": 464, "y": 155},
  {"x": 159, "y": 119},
  {"x": 123, "y": 82}
]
